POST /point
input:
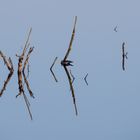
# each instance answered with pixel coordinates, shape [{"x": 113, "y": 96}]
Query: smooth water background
[{"x": 109, "y": 108}]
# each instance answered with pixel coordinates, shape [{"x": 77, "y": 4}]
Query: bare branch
[
  {"x": 72, "y": 89},
  {"x": 115, "y": 29},
  {"x": 124, "y": 56},
  {"x": 7, "y": 62},
  {"x": 21, "y": 69},
  {"x": 27, "y": 44},
  {"x": 20, "y": 83},
  {"x": 28, "y": 105},
  {"x": 73, "y": 78},
  {"x": 72, "y": 38},
  {"x": 25, "y": 79},
  {"x": 66, "y": 63},
  {"x": 9, "y": 65},
  {"x": 20, "y": 60},
  {"x": 52, "y": 70},
  {"x": 85, "y": 78},
  {"x": 28, "y": 70}
]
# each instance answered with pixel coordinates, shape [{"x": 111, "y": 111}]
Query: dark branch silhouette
[
  {"x": 72, "y": 89},
  {"x": 21, "y": 71},
  {"x": 85, "y": 78},
  {"x": 124, "y": 56},
  {"x": 9, "y": 65},
  {"x": 52, "y": 70},
  {"x": 115, "y": 29},
  {"x": 28, "y": 70},
  {"x": 73, "y": 78},
  {"x": 66, "y": 63}
]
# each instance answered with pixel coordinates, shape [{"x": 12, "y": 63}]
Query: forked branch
[
  {"x": 52, "y": 70},
  {"x": 66, "y": 63},
  {"x": 85, "y": 78},
  {"x": 124, "y": 56},
  {"x": 21, "y": 72},
  {"x": 9, "y": 65}
]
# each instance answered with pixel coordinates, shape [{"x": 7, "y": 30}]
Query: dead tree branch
[
  {"x": 85, "y": 78},
  {"x": 73, "y": 78},
  {"x": 52, "y": 70},
  {"x": 9, "y": 65},
  {"x": 72, "y": 89},
  {"x": 66, "y": 63},
  {"x": 71, "y": 41},
  {"x": 115, "y": 29},
  {"x": 124, "y": 56},
  {"x": 21, "y": 71}
]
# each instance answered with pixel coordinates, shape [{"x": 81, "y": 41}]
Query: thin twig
[
  {"x": 115, "y": 29},
  {"x": 7, "y": 62},
  {"x": 27, "y": 105},
  {"x": 85, "y": 78},
  {"x": 73, "y": 78},
  {"x": 9, "y": 65},
  {"x": 52, "y": 70},
  {"x": 21, "y": 69},
  {"x": 124, "y": 56},
  {"x": 71, "y": 41},
  {"x": 20, "y": 61},
  {"x": 23, "y": 72},
  {"x": 66, "y": 63},
  {"x": 72, "y": 89},
  {"x": 27, "y": 44},
  {"x": 28, "y": 70}
]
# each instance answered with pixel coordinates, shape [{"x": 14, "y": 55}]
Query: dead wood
[
  {"x": 66, "y": 63},
  {"x": 124, "y": 56},
  {"x": 9, "y": 65},
  {"x": 52, "y": 70},
  {"x": 21, "y": 72},
  {"x": 85, "y": 78}
]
